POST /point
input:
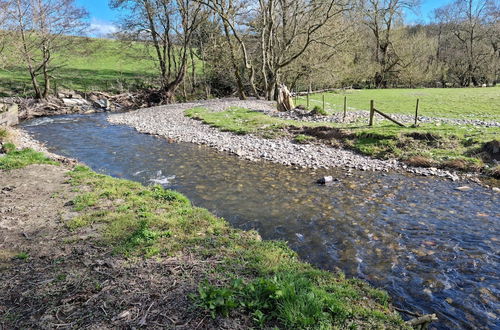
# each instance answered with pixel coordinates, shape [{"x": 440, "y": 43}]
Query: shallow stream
[{"x": 434, "y": 248}]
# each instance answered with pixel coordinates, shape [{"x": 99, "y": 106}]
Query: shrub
[{"x": 317, "y": 110}]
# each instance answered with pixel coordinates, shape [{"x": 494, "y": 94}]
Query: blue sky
[{"x": 103, "y": 18}]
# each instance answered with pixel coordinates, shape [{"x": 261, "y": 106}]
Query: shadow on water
[{"x": 433, "y": 248}]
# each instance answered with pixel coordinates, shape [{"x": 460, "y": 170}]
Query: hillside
[{"x": 93, "y": 64}]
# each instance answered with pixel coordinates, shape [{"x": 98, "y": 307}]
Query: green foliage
[
  {"x": 21, "y": 158},
  {"x": 217, "y": 300},
  {"x": 294, "y": 299},
  {"x": 22, "y": 256},
  {"x": 144, "y": 236},
  {"x": 317, "y": 110},
  {"x": 169, "y": 195}
]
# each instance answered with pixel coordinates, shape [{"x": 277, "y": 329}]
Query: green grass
[
  {"x": 98, "y": 64},
  {"x": 468, "y": 103},
  {"x": 264, "y": 280},
  {"x": 447, "y": 146},
  {"x": 21, "y": 158}
]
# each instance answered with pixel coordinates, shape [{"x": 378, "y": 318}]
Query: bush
[{"x": 319, "y": 111}]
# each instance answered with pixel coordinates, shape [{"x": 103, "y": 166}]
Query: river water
[{"x": 434, "y": 248}]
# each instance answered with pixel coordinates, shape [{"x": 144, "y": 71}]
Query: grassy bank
[
  {"x": 93, "y": 64},
  {"x": 429, "y": 145},
  {"x": 465, "y": 103},
  {"x": 260, "y": 283}
]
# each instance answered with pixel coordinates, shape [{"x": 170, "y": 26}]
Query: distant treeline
[{"x": 244, "y": 47}]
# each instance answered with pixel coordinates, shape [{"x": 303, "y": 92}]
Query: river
[{"x": 434, "y": 248}]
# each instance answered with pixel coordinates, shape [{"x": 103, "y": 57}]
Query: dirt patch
[
  {"x": 322, "y": 132},
  {"x": 492, "y": 149},
  {"x": 52, "y": 277},
  {"x": 32, "y": 208},
  {"x": 423, "y": 136}
]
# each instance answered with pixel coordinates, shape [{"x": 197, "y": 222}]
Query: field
[
  {"x": 464, "y": 103},
  {"x": 101, "y": 64}
]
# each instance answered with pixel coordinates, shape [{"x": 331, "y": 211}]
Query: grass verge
[
  {"x": 261, "y": 280},
  {"x": 429, "y": 145},
  {"x": 11, "y": 158}
]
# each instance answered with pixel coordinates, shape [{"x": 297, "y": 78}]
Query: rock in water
[
  {"x": 325, "y": 180},
  {"x": 464, "y": 188}
]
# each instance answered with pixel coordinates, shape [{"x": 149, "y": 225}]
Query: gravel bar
[{"x": 170, "y": 122}]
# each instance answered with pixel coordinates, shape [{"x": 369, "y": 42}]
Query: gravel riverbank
[{"x": 170, "y": 122}]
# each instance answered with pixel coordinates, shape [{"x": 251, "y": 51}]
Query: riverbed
[{"x": 433, "y": 247}]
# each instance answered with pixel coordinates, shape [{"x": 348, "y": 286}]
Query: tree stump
[{"x": 285, "y": 100}]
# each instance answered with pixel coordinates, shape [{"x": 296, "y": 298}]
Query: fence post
[
  {"x": 416, "y": 113},
  {"x": 372, "y": 112},
  {"x": 324, "y": 109},
  {"x": 345, "y": 107},
  {"x": 307, "y": 99}
]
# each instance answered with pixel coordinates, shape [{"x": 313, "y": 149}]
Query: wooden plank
[{"x": 387, "y": 117}]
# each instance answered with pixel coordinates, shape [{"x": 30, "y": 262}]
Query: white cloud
[{"x": 101, "y": 29}]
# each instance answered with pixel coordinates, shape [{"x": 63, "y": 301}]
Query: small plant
[
  {"x": 169, "y": 196},
  {"x": 319, "y": 111},
  {"x": 303, "y": 139},
  {"x": 22, "y": 256},
  {"x": 3, "y": 134},
  {"x": 8, "y": 147},
  {"x": 144, "y": 236},
  {"x": 217, "y": 300}
]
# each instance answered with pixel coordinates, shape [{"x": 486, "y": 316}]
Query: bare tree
[
  {"x": 470, "y": 25},
  {"x": 228, "y": 11},
  {"x": 287, "y": 28},
  {"x": 169, "y": 26},
  {"x": 381, "y": 17},
  {"x": 40, "y": 29}
]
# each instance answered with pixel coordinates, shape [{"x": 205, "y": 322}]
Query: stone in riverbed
[{"x": 326, "y": 180}]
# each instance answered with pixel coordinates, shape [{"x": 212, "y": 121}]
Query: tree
[
  {"x": 169, "y": 27},
  {"x": 40, "y": 30},
  {"x": 470, "y": 38},
  {"x": 381, "y": 17},
  {"x": 228, "y": 11},
  {"x": 288, "y": 28}
]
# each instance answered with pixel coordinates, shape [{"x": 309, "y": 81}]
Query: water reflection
[{"x": 432, "y": 247}]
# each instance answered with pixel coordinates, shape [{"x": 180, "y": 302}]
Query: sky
[{"x": 103, "y": 19}]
